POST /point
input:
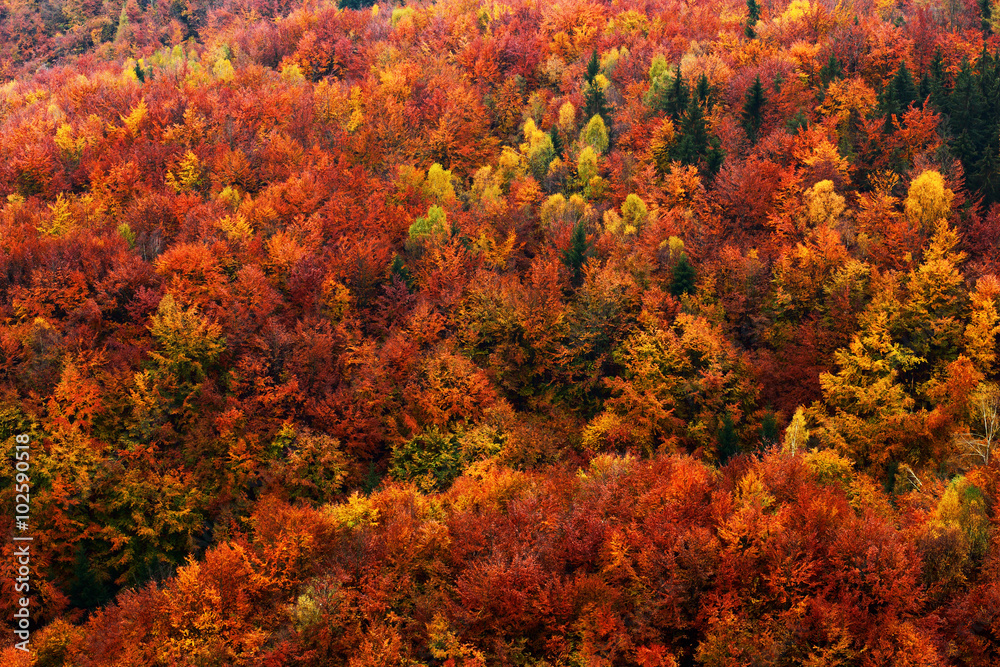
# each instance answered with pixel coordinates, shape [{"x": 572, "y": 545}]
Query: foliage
[{"x": 474, "y": 333}]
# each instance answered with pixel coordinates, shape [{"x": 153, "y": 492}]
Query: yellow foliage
[
  {"x": 567, "y": 117},
  {"x": 235, "y": 227},
  {"x": 439, "y": 184},
  {"x": 609, "y": 430},
  {"x": 136, "y": 118},
  {"x": 357, "y": 118},
  {"x": 984, "y": 324},
  {"x": 401, "y": 13},
  {"x": 357, "y": 511},
  {"x": 223, "y": 70},
  {"x": 70, "y": 143},
  {"x": 828, "y": 465},
  {"x": 292, "y": 74},
  {"x": 796, "y": 435},
  {"x": 335, "y": 299},
  {"x": 848, "y": 95},
  {"x": 928, "y": 200},
  {"x": 188, "y": 175},
  {"x": 823, "y": 205},
  {"x": 61, "y": 219},
  {"x": 586, "y": 164},
  {"x": 494, "y": 254},
  {"x": 826, "y": 153},
  {"x": 797, "y": 9}
]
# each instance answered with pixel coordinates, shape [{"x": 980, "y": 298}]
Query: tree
[
  {"x": 683, "y": 280},
  {"x": 897, "y": 97},
  {"x": 928, "y": 200},
  {"x": 753, "y": 106},
  {"x": 978, "y": 443},
  {"x": 729, "y": 444},
  {"x": 595, "y": 103},
  {"x": 753, "y": 16},
  {"x": 694, "y": 144},
  {"x": 595, "y": 134},
  {"x": 677, "y": 97},
  {"x": 578, "y": 251},
  {"x": 831, "y": 70}
]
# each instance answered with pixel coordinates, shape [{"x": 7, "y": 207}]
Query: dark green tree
[
  {"x": 831, "y": 71},
  {"x": 729, "y": 442},
  {"x": 770, "y": 433},
  {"x": 683, "y": 281},
  {"x": 986, "y": 14},
  {"x": 753, "y": 16},
  {"x": 694, "y": 144},
  {"x": 593, "y": 67},
  {"x": 86, "y": 591},
  {"x": 678, "y": 96},
  {"x": 577, "y": 253},
  {"x": 704, "y": 92},
  {"x": 753, "y": 108},
  {"x": 897, "y": 96},
  {"x": 595, "y": 103}
]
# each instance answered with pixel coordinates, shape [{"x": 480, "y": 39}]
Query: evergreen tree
[
  {"x": 937, "y": 81},
  {"x": 897, "y": 96},
  {"x": 986, "y": 14},
  {"x": 678, "y": 96},
  {"x": 753, "y": 16},
  {"x": 86, "y": 591},
  {"x": 557, "y": 146},
  {"x": 576, "y": 255},
  {"x": 753, "y": 106},
  {"x": 593, "y": 67},
  {"x": 770, "y": 434},
  {"x": 704, "y": 92},
  {"x": 729, "y": 442},
  {"x": 694, "y": 144},
  {"x": 595, "y": 103},
  {"x": 970, "y": 126},
  {"x": 830, "y": 71},
  {"x": 683, "y": 281}
]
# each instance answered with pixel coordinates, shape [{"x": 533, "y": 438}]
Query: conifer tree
[
  {"x": 753, "y": 16},
  {"x": 678, "y": 96},
  {"x": 694, "y": 144},
  {"x": 683, "y": 281},
  {"x": 753, "y": 106},
  {"x": 704, "y": 92},
  {"x": 831, "y": 70},
  {"x": 577, "y": 253},
  {"x": 595, "y": 102},
  {"x": 897, "y": 96}
]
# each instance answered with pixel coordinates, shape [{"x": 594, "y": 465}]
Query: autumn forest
[{"x": 466, "y": 332}]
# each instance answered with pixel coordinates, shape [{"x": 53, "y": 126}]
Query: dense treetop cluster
[{"x": 503, "y": 333}]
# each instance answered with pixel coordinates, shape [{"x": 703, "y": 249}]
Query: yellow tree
[
  {"x": 865, "y": 400},
  {"x": 930, "y": 321}
]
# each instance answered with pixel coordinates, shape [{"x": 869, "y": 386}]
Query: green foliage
[
  {"x": 538, "y": 150},
  {"x": 753, "y": 16},
  {"x": 694, "y": 144},
  {"x": 595, "y": 103},
  {"x": 669, "y": 94},
  {"x": 831, "y": 71},
  {"x": 577, "y": 253},
  {"x": 753, "y": 107},
  {"x": 187, "y": 345},
  {"x": 683, "y": 280},
  {"x": 432, "y": 226},
  {"x": 431, "y": 460},
  {"x": 729, "y": 444},
  {"x": 595, "y": 134},
  {"x": 898, "y": 95}
]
